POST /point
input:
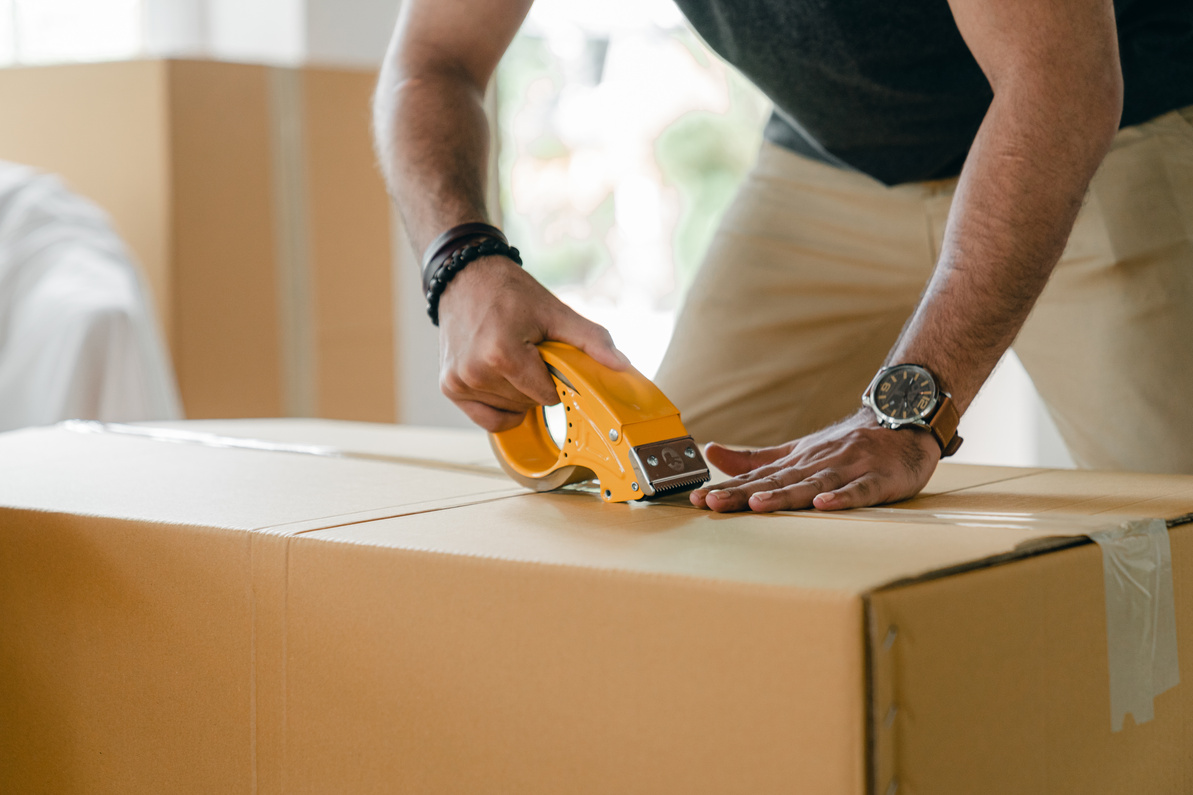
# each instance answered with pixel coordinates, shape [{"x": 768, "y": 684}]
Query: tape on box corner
[
  {"x": 1140, "y": 617},
  {"x": 1137, "y": 581}
]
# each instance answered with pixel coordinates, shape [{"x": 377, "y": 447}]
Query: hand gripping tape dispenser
[{"x": 621, "y": 429}]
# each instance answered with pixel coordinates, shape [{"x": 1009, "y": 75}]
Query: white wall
[
  {"x": 352, "y": 32},
  {"x": 1009, "y": 425},
  {"x": 331, "y": 32},
  {"x": 348, "y": 32}
]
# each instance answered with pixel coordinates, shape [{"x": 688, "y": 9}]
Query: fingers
[
  {"x": 748, "y": 466},
  {"x": 505, "y": 376},
  {"x": 589, "y": 337},
  {"x": 738, "y": 462},
  {"x": 498, "y": 365},
  {"x": 852, "y": 464},
  {"x": 528, "y": 374},
  {"x": 776, "y": 490},
  {"x": 490, "y": 319},
  {"x": 499, "y": 395},
  {"x": 798, "y": 495},
  {"x": 859, "y": 493},
  {"x": 785, "y": 490},
  {"x": 491, "y": 419},
  {"x": 734, "y": 494}
]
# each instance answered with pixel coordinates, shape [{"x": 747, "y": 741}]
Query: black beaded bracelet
[
  {"x": 456, "y": 262},
  {"x": 455, "y": 238}
]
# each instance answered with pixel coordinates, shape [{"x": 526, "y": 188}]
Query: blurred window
[
  {"x": 622, "y": 140},
  {"x": 49, "y": 31}
]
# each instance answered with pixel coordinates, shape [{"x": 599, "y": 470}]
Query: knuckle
[
  {"x": 490, "y": 424},
  {"x": 863, "y": 487},
  {"x": 451, "y": 385},
  {"x": 474, "y": 373},
  {"x": 769, "y": 483},
  {"x": 824, "y": 480},
  {"x": 503, "y": 422},
  {"x": 498, "y": 359}
]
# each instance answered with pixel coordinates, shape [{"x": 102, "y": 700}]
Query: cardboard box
[
  {"x": 304, "y": 606},
  {"x": 250, "y": 197}
]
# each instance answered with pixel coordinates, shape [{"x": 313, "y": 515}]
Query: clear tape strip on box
[
  {"x": 1136, "y": 563},
  {"x": 1140, "y": 617},
  {"x": 181, "y": 436}
]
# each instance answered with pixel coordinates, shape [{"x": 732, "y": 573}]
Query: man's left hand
[{"x": 852, "y": 464}]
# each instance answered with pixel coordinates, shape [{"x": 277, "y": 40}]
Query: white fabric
[{"x": 78, "y": 336}]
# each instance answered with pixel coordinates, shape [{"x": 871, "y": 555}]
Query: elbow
[
  {"x": 1095, "y": 103},
  {"x": 1083, "y": 108}
]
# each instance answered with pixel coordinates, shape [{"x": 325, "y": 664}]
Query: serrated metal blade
[{"x": 669, "y": 466}]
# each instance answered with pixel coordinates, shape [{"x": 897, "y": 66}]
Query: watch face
[{"x": 905, "y": 393}]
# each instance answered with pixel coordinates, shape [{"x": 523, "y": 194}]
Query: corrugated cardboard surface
[
  {"x": 187, "y": 157},
  {"x": 998, "y": 679},
  {"x": 350, "y": 244},
  {"x": 227, "y": 345},
  {"x": 186, "y": 617}
]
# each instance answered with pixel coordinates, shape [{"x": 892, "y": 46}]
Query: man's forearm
[
  {"x": 432, "y": 140},
  {"x": 428, "y": 113},
  {"x": 1014, "y": 207}
]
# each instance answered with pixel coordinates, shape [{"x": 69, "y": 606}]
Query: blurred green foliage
[
  {"x": 703, "y": 156},
  {"x": 555, "y": 259}
]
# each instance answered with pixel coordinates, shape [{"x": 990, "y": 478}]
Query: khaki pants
[{"x": 814, "y": 270}]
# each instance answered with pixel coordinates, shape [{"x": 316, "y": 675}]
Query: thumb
[
  {"x": 589, "y": 337},
  {"x": 738, "y": 462}
]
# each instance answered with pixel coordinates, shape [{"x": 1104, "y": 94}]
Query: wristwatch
[{"x": 908, "y": 396}]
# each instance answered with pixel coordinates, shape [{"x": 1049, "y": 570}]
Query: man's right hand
[
  {"x": 491, "y": 317},
  {"x": 432, "y": 141}
]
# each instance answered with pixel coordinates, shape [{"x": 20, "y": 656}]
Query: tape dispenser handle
[{"x": 527, "y": 452}]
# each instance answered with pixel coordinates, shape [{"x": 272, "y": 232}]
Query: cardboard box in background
[
  {"x": 400, "y": 617},
  {"x": 250, "y": 196}
]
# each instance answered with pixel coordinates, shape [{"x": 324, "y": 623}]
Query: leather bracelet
[
  {"x": 456, "y": 261},
  {"x": 445, "y": 245}
]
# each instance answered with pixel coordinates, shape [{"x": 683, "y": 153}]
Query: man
[{"x": 950, "y": 144}]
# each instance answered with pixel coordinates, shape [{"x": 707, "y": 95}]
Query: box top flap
[
  {"x": 1053, "y": 492},
  {"x": 846, "y": 554},
  {"x": 66, "y": 469},
  {"x": 348, "y": 481},
  {"x": 966, "y": 517}
]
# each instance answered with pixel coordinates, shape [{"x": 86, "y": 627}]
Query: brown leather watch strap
[{"x": 944, "y": 424}]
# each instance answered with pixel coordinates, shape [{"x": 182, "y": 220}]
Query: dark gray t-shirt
[{"x": 889, "y": 87}]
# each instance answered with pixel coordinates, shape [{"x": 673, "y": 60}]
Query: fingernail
[
  {"x": 720, "y": 494},
  {"x": 764, "y": 496},
  {"x": 826, "y": 499}
]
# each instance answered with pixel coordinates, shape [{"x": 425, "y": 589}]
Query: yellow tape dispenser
[{"x": 621, "y": 429}]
